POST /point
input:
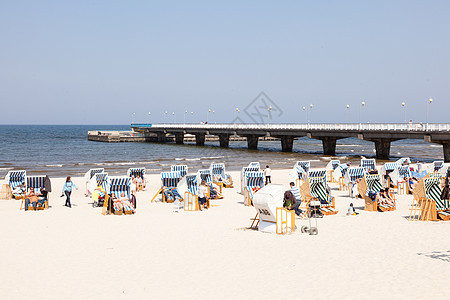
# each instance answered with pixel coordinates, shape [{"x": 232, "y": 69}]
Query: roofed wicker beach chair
[
  {"x": 138, "y": 172},
  {"x": 305, "y": 165},
  {"x": 368, "y": 164},
  {"x": 169, "y": 180},
  {"x": 38, "y": 183},
  {"x": 254, "y": 181},
  {"x": 427, "y": 203},
  {"x": 117, "y": 186},
  {"x": 98, "y": 180},
  {"x": 189, "y": 187},
  {"x": 14, "y": 179},
  {"x": 215, "y": 191},
  {"x": 314, "y": 188},
  {"x": 331, "y": 166},
  {"x": 339, "y": 174},
  {"x": 183, "y": 169},
  {"x": 249, "y": 168},
  {"x": 372, "y": 183},
  {"x": 89, "y": 174},
  {"x": 352, "y": 175},
  {"x": 220, "y": 177}
]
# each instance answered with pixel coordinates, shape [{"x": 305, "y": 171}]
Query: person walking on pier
[
  {"x": 67, "y": 190},
  {"x": 268, "y": 174}
]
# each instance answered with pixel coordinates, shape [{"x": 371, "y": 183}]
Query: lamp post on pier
[
  {"x": 360, "y": 111},
  {"x": 149, "y": 119},
  {"x": 404, "y": 110},
  {"x": 269, "y": 112},
  {"x": 192, "y": 116},
  {"x": 185, "y": 113},
  {"x": 236, "y": 111},
  {"x": 214, "y": 116},
  {"x": 174, "y": 117},
  {"x": 428, "y": 104},
  {"x": 207, "y": 115},
  {"x": 165, "y": 115},
  {"x": 132, "y": 118},
  {"x": 307, "y": 115}
]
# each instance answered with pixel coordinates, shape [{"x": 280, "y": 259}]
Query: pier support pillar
[
  {"x": 224, "y": 140},
  {"x": 446, "y": 148},
  {"x": 287, "y": 143},
  {"x": 161, "y": 137},
  {"x": 200, "y": 139},
  {"x": 382, "y": 148},
  {"x": 179, "y": 138},
  {"x": 252, "y": 142},
  {"x": 329, "y": 145}
]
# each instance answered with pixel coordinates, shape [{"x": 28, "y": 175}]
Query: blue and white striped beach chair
[
  {"x": 403, "y": 160},
  {"x": 253, "y": 179},
  {"x": 117, "y": 186},
  {"x": 98, "y": 180},
  {"x": 305, "y": 165},
  {"x": 438, "y": 164},
  {"x": 190, "y": 197},
  {"x": 368, "y": 164},
  {"x": 220, "y": 177},
  {"x": 254, "y": 164},
  {"x": 331, "y": 166},
  {"x": 183, "y": 169},
  {"x": 15, "y": 178},
  {"x": 135, "y": 172},
  {"x": 391, "y": 166},
  {"x": 38, "y": 183},
  {"x": 169, "y": 180},
  {"x": 217, "y": 169},
  {"x": 88, "y": 176},
  {"x": 206, "y": 175},
  {"x": 352, "y": 175},
  {"x": 244, "y": 171}
]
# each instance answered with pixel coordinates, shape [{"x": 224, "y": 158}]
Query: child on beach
[{"x": 351, "y": 211}]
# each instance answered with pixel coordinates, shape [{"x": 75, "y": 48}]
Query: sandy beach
[{"x": 77, "y": 253}]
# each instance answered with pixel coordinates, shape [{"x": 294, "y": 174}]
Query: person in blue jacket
[{"x": 67, "y": 190}]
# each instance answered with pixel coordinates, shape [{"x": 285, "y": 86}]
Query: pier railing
[{"x": 417, "y": 127}]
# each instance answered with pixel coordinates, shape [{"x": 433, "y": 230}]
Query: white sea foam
[
  {"x": 179, "y": 158},
  {"x": 192, "y": 159},
  {"x": 6, "y": 168},
  {"x": 56, "y": 166},
  {"x": 212, "y": 157}
]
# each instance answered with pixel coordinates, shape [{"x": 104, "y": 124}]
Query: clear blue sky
[{"x": 88, "y": 62}]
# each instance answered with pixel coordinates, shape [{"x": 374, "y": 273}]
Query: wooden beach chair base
[
  {"x": 5, "y": 193},
  {"x": 285, "y": 220},
  {"x": 342, "y": 186}
]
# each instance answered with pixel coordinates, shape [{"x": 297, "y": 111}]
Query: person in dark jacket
[{"x": 290, "y": 203}]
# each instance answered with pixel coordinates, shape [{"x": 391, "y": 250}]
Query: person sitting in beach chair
[
  {"x": 290, "y": 203},
  {"x": 31, "y": 198},
  {"x": 42, "y": 198},
  {"x": 202, "y": 193},
  {"x": 116, "y": 203},
  {"x": 18, "y": 192},
  {"x": 98, "y": 195},
  {"x": 384, "y": 198},
  {"x": 139, "y": 183},
  {"x": 126, "y": 204}
]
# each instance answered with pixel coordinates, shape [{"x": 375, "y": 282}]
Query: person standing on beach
[
  {"x": 268, "y": 174},
  {"x": 67, "y": 190},
  {"x": 202, "y": 191}
]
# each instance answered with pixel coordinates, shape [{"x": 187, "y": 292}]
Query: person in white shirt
[
  {"x": 268, "y": 174},
  {"x": 202, "y": 191}
]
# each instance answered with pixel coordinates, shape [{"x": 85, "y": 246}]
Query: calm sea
[{"x": 61, "y": 150}]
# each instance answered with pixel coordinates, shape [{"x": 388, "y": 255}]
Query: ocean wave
[
  {"x": 348, "y": 145},
  {"x": 177, "y": 158},
  {"x": 6, "y": 168},
  {"x": 212, "y": 157},
  {"x": 116, "y": 164},
  {"x": 56, "y": 166},
  {"x": 192, "y": 159}
]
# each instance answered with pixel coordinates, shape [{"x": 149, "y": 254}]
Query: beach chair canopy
[
  {"x": 340, "y": 171},
  {"x": 205, "y": 174},
  {"x": 391, "y": 166},
  {"x": 318, "y": 173},
  {"x": 170, "y": 179},
  {"x": 433, "y": 192},
  {"x": 183, "y": 169},
  {"x": 305, "y": 165},
  {"x": 192, "y": 183},
  {"x": 403, "y": 160},
  {"x": 399, "y": 172},
  {"x": 89, "y": 174},
  {"x": 254, "y": 179},
  {"x": 368, "y": 164},
  {"x": 136, "y": 171},
  {"x": 218, "y": 169},
  {"x": 39, "y": 182},
  {"x": 373, "y": 182},
  {"x": 15, "y": 178},
  {"x": 99, "y": 179},
  {"x": 333, "y": 164},
  {"x": 244, "y": 171},
  {"x": 354, "y": 173},
  {"x": 120, "y": 184},
  {"x": 438, "y": 164},
  {"x": 254, "y": 164}
]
